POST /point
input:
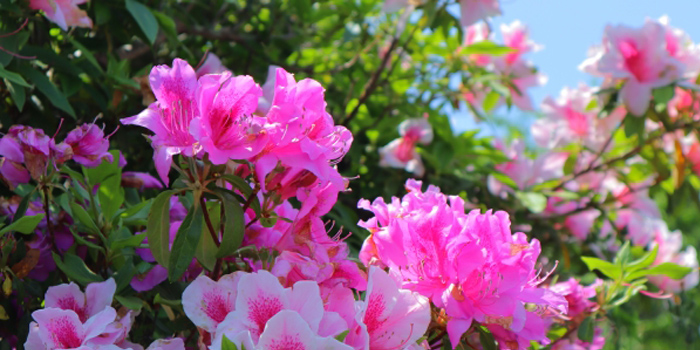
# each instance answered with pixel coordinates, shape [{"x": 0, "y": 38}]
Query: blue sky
[{"x": 567, "y": 28}]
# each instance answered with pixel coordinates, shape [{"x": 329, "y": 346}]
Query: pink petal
[
  {"x": 59, "y": 329},
  {"x": 207, "y": 303},
  {"x": 67, "y": 297},
  {"x": 99, "y": 296}
]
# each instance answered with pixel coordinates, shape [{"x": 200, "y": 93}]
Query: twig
[{"x": 207, "y": 219}]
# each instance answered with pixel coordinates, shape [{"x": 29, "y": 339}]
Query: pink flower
[
  {"x": 27, "y": 146},
  {"x": 96, "y": 298},
  {"x": 473, "y": 11},
  {"x": 62, "y": 329},
  {"x": 167, "y": 344},
  {"x": 597, "y": 343},
  {"x": 304, "y": 144},
  {"x": 401, "y": 153},
  {"x": 260, "y": 298},
  {"x": 170, "y": 117},
  {"x": 525, "y": 171},
  {"x": 140, "y": 180},
  {"x": 148, "y": 280},
  {"x": 569, "y": 119},
  {"x": 207, "y": 303},
  {"x": 389, "y": 317},
  {"x": 641, "y": 57},
  {"x": 577, "y": 296},
  {"x": 225, "y": 127},
  {"x": 89, "y": 145},
  {"x": 470, "y": 264},
  {"x": 474, "y": 34},
  {"x": 681, "y": 47},
  {"x": 65, "y": 13},
  {"x": 516, "y": 36},
  {"x": 212, "y": 65}
]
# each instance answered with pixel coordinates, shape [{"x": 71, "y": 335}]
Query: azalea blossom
[
  {"x": 645, "y": 58},
  {"x": 389, "y": 317},
  {"x": 470, "y": 264},
  {"x": 65, "y": 13},
  {"x": 401, "y": 153},
  {"x": 571, "y": 119},
  {"x": 89, "y": 145},
  {"x": 212, "y": 65}
]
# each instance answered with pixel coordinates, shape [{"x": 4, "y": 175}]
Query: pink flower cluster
[
  {"x": 580, "y": 306},
  {"x": 645, "y": 58},
  {"x": 469, "y": 264},
  {"x": 28, "y": 153},
  {"x": 72, "y": 319},
  {"x": 293, "y": 145},
  {"x": 256, "y": 311},
  {"x": 401, "y": 153},
  {"x": 512, "y": 67}
]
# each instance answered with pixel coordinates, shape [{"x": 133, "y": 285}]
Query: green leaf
[
  {"x": 486, "y": 339},
  {"x": 234, "y": 225},
  {"x": 185, "y": 243},
  {"x": 490, "y": 101},
  {"x": 206, "y": 249},
  {"x": 25, "y": 224},
  {"x": 133, "y": 303},
  {"x": 607, "y": 268},
  {"x": 341, "y": 337},
  {"x": 663, "y": 94},
  {"x": 644, "y": 261},
  {"x": 74, "y": 267},
  {"x": 46, "y": 87},
  {"x": 110, "y": 192},
  {"x": 13, "y": 77},
  {"x": 671, "y": 270},
  {"x": 570, "y": 163},
  {"x": 131, "y": 242},
  {"x": 505, "y": 179},
  {"x": 486, "y": 47},
  {"x": 125, "y": 273},
  {"x": 84, "y": 218},
  {"x": 87, "y": 54},
  {"x": 623, "y": 255},
  {"x": 19, "y": 95},
  {"x": 167, "y": 24},
  {"x": 634, "y": 125},
  {"x": 227, "y": 344},
  {"x": 144, "y": 18},
  {"x": 533, "y": 201},
  {"x": 586, "y": 330},
  {"x": 158, "y": 227}
]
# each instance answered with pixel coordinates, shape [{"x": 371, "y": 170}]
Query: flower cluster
[
  {"x": 29, "y": 153},
  {"x": 645, "y": 58},
  {"x": 469, "y": 264},
  {"x": 256, "y": 311}
]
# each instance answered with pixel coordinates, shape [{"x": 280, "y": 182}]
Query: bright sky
[{"x": 567, "y": 28}]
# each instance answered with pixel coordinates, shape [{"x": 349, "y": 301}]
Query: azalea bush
[{"x": 285, "y": 175}]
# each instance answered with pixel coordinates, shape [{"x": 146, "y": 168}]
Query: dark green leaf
[
  {"x": 234, "y": 225},
  {"x": 586, "y": 330},
  {"x": 13, "y": 77},
  {"x": 74, "y": 267},
  {"x": 133, "y": 303},
  {"x": 19, "y": 95},
  {"x": 84, "y": 218},
  {"x": 185, "y": 243},
  {"x": 131, "y": 242},
  {"x": 634, "y": 125},
  {"x": 46, "y": 87},
  {"x": 663, "y": 94},
  {"x": 158, "y": 227},
  {"x": 25, "y": 224},
  {"x": 144, "y": 18}
]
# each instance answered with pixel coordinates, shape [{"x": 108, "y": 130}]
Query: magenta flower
[
  {"x": 140, "y": 180},
  {"x": 169, "y": 118},
  {"x": 148, "y": 280},
  {"x": 65, "y": 13},
  {"x": 389, "y": 317},
  {"x": 225, "y": 127},
  {"x": 25, "y": 146},
  {"x": 470, "y": 264},
  {"x": 303, "y": 139},
  {"x": 577, "y": 296},
  {"x": 212, "y": 65},
  {"x": 90, "y": 146}
]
